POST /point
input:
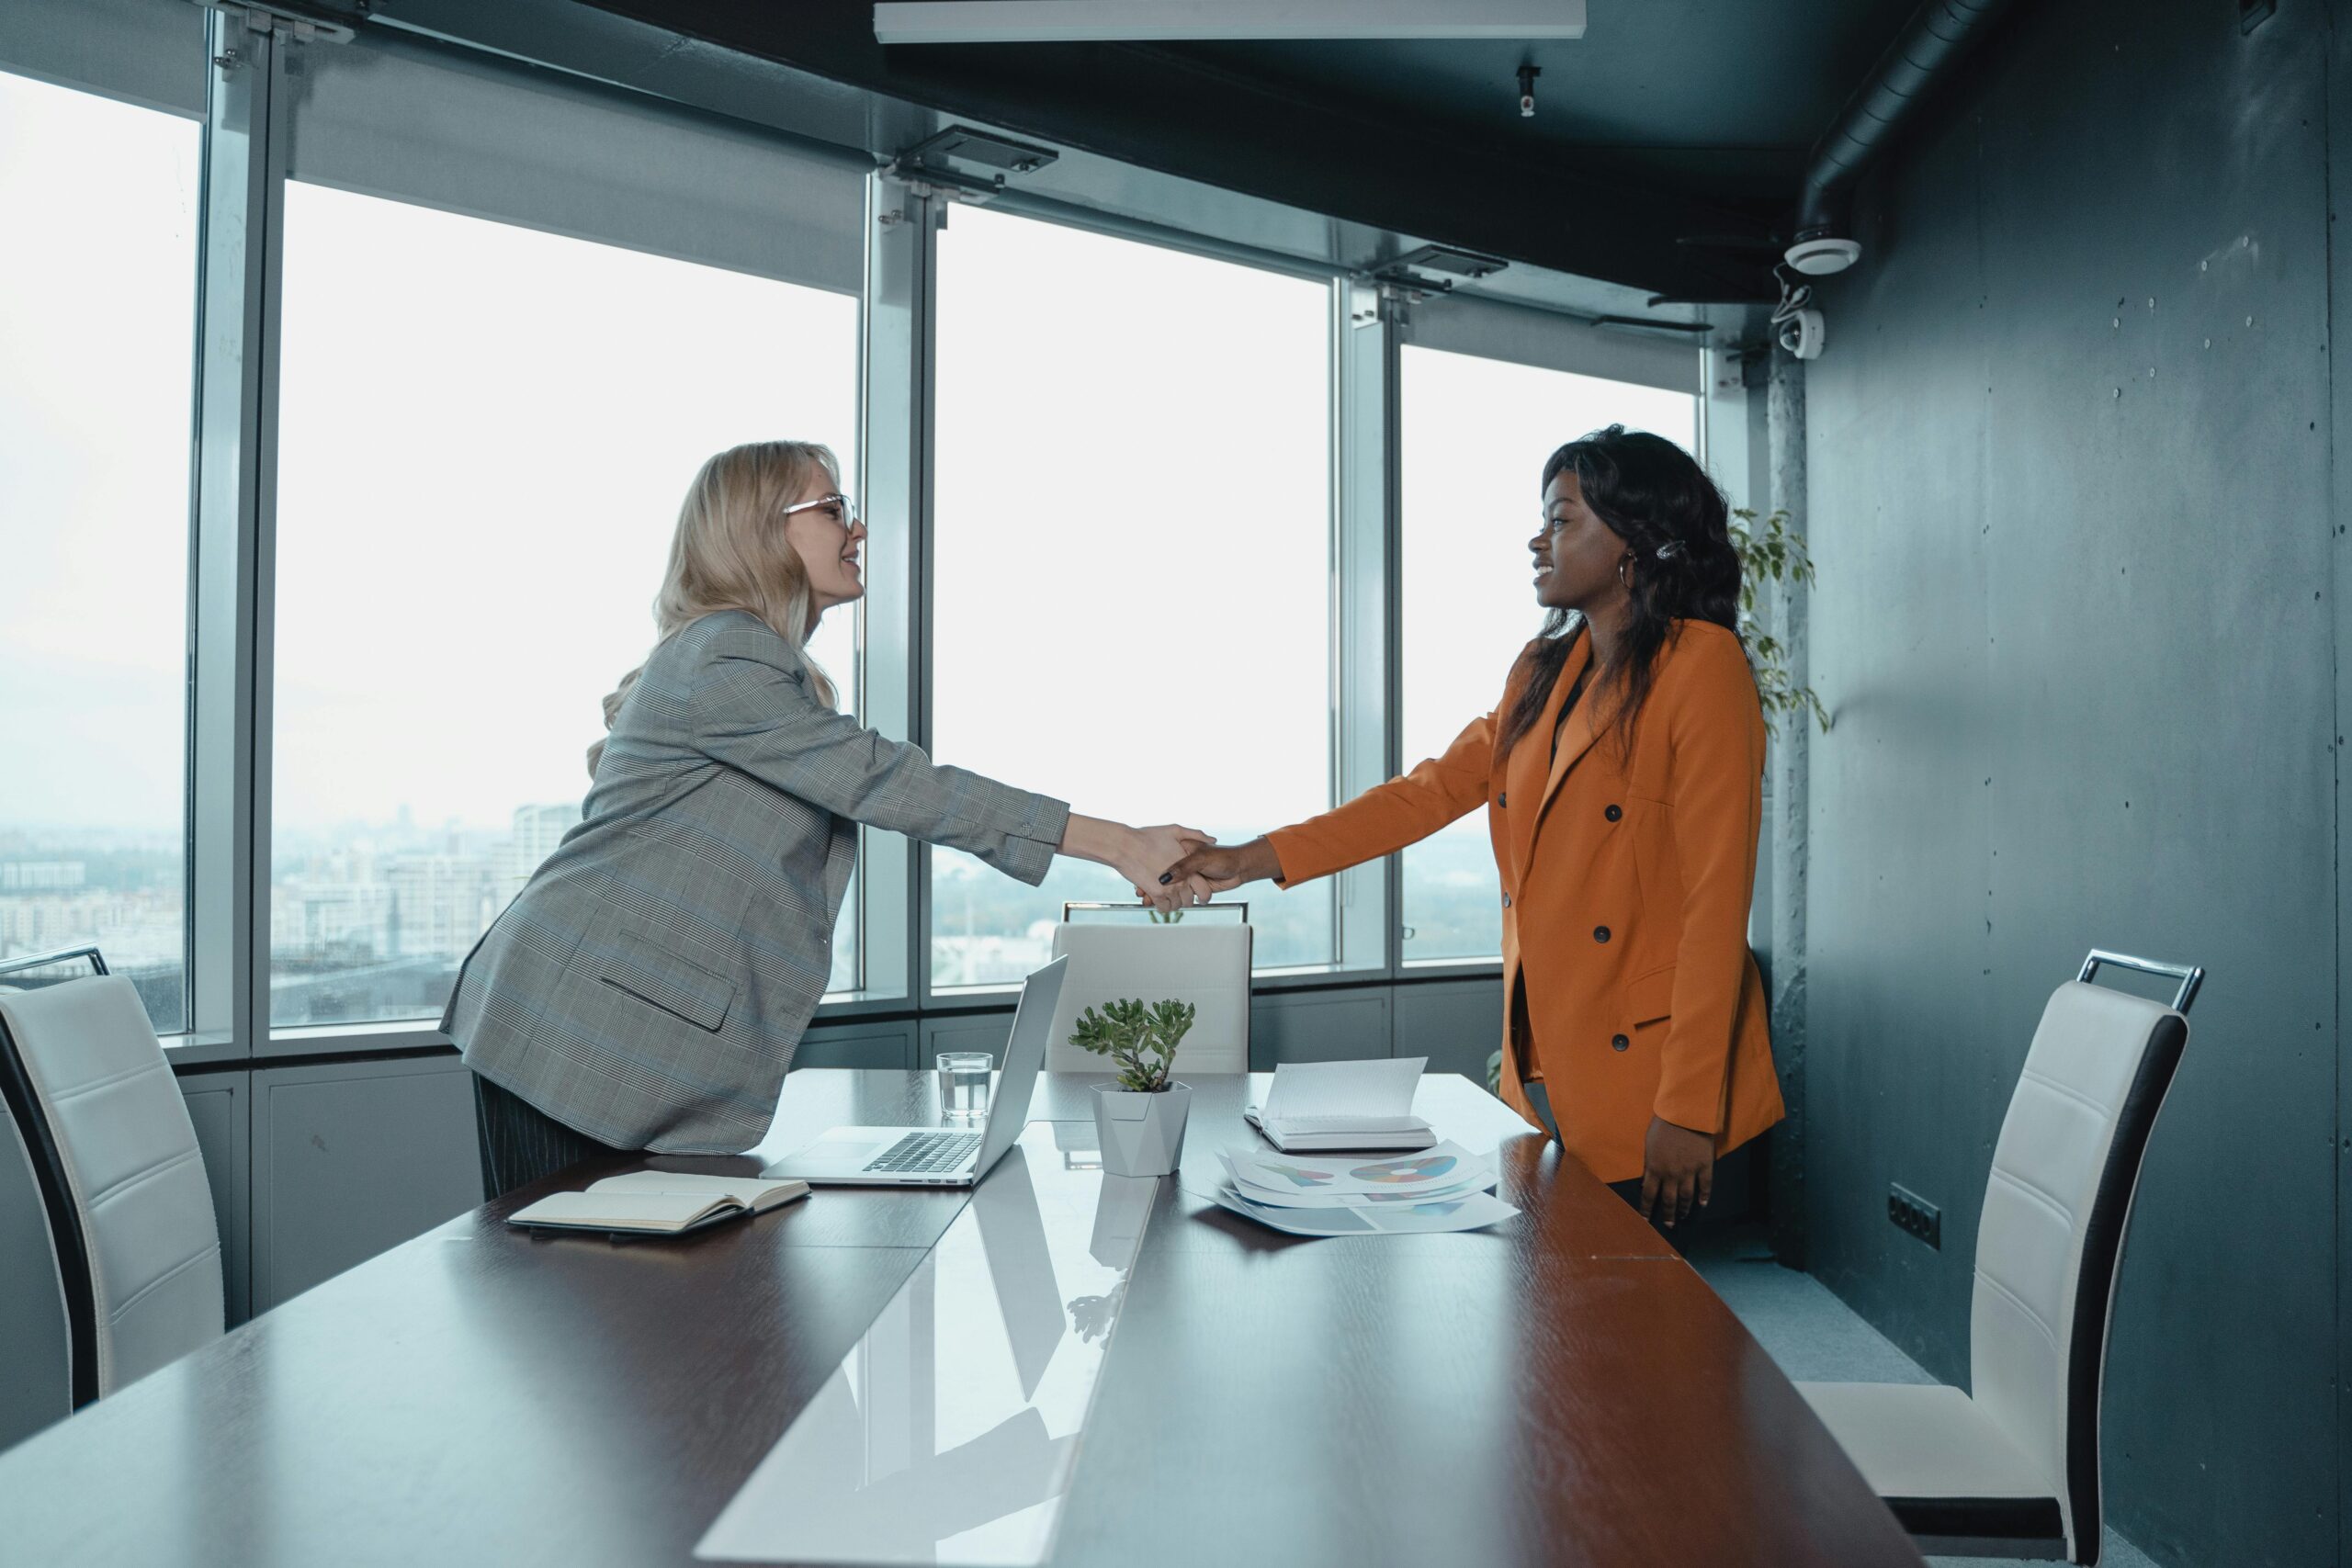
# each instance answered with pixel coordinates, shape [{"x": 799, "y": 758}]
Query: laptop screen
[{"x": 1025, "y": 1057}]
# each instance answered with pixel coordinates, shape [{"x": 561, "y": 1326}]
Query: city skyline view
[{"x": 368, "y": 920}]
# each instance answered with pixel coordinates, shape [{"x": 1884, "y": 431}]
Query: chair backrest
[
  {"x": 2056, "y": 1207},
  {"x": 121, "y": 1179},
  {"x": 1207, "y": 965}
]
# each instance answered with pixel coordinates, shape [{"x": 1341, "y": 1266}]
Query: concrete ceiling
[{"x": 1672, "y": 121}]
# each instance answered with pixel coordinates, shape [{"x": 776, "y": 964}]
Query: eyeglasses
[{"x": 839, "y": 507}]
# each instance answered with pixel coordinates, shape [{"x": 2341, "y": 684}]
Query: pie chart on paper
[{"x": 1425, "y": 1169}]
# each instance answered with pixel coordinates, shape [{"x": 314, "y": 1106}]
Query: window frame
[
  {"x": 247, "y": 143},
  {"x": 247, "y": 163},
  {"x": 1540, "y": 340},
  {"x": 154, "y": 56},
  {"x": 1357, "y": 700}
]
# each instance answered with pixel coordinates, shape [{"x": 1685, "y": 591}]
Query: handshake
[{"x": 1174, "y": 867}]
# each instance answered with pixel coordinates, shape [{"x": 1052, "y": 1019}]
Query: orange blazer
[{"x": 1626, "y": 883}]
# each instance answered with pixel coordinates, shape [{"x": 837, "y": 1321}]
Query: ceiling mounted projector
[
  {"x": 1138, "y": 21},
  {"x": 1823, "y": 254}
]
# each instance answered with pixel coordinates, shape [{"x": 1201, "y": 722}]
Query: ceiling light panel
[{"x": 1072, "y": 21}]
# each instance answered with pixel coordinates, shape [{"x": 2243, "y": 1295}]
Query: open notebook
[
  {"x": 659, "y": 1202},
  {"x": 1344, "y": 1105}
]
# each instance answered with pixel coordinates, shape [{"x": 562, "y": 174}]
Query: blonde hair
[{"x": 730, "y": 553}]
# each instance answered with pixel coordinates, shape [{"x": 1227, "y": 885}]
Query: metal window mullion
[
  {"x": 1336, "y": 454},
  {"x": 228, "y": 727},
  {"x": 927, "y": 215},
  {"x": 893, "y": 448},
  {"x": 859, "y": 674},
  {"x": 1392, "y": 321},
  {"x": 277, "y": 149},
  {"x": 1364, "y": 639}
]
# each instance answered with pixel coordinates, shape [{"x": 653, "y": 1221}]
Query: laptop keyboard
[{"x": 922, "y": 1153}]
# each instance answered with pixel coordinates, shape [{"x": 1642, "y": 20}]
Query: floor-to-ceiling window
[
  {"x": 487, "y": 420},
  {"x": 98, "y": 320},
  {"x": 1130, "y": 601},
  {"x": 1476, "y": 434},
  {"x": 504, "y": 319}
]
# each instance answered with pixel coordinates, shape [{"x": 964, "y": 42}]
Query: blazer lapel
[
  {"x": 1526, "y": 771},
  {"x": 1577, "y": 737}
]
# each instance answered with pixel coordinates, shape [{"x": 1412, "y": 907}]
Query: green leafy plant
[
  {"x": 1140, "y": 1040},
  {"x": 1769, "y": 551}
]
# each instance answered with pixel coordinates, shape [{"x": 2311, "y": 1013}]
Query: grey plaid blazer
[{"x": 650, "y": 984}]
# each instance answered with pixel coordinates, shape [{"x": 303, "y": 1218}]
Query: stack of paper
[{"x": 1443, "y": 1188}]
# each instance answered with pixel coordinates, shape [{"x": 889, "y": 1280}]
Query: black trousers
[
  {"x": 1730, "y": 1200},
  {"x": 521, "y": 1142}
]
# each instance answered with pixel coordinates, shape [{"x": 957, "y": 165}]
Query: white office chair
[
  {"x": 2013, "y": 1465},
  {"x": 1193, "y": 960},
  {"x": 120, "y": 1176}
]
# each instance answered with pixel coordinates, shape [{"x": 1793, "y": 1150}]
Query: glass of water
[{"x": 964, "y": 1084}]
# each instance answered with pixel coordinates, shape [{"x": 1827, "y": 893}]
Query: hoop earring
[{"x": 1623, "y": 562}]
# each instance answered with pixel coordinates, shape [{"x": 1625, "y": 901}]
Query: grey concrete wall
[{"x": 2069, "y": 457}]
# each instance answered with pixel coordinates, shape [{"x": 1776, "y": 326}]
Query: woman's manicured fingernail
[{"x": 1165, "y": 876}]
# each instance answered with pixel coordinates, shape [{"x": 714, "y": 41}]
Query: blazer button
[
  {"x": 1619, "y": 1042},
  {"x": 1613, "y": 813},
  {"x": 1601, "y": 933},
  {"x": 1506, "y": 900},
  {"x": 1503, "y": 799}
]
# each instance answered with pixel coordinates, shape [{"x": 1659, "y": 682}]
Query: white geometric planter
[{"x": 1143, "y": 1134}]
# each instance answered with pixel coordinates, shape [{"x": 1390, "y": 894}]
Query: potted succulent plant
[{"x": 1140, "y": 1118}]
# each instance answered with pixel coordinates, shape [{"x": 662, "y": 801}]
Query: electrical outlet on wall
[{"x": 1914, "y": 1213}]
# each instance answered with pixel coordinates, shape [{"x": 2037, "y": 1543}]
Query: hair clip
[{"x": 1669, "y": 550}]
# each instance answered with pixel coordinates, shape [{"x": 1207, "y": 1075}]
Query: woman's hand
[
  {"x": 1677, "y": 1170},
  {"x": 1218, "y": 869},
  {"x": 1141, "y": 855},
  {"x": 1154, "y": 851}
]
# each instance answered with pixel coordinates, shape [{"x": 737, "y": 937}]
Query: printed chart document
[
  {"x": 1460, "y": 1211},
  {"x": 1445, "y": 1188},
  {"x": 658, "y": 1203},
  {"x": 1344, "y": 1105}
]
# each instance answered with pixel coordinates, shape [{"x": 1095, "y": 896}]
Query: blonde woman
[{"x": 647, "y": 988}]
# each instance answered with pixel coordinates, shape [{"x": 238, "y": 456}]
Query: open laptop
[{"x": 942, "y": 1156}]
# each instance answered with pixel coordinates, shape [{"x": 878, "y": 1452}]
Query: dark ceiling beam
[{"x": 1153, "y": 107}]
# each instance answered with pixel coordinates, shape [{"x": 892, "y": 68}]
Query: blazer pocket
[
  {"x": 1651, "y": 997},
  {"x": 659, "y": 978}
]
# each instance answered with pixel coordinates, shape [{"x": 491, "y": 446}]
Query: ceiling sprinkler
[
  {"x": 1527, "y": 75},
  {"x": 1820, "y": 255}
]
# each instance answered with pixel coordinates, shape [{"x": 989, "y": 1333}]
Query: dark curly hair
[{"x": 1652, "y": 494}]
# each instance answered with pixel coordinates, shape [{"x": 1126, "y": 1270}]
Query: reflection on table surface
[{"x": 947, "y": 1433}]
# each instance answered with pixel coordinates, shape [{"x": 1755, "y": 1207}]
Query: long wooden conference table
[{"x": 1063, "y": 1366}]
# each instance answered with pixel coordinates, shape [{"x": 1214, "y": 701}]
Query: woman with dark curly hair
[{"x": 1622, "y": 777}]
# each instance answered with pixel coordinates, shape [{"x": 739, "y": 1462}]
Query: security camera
[{"x": 1803, "y": 334}]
